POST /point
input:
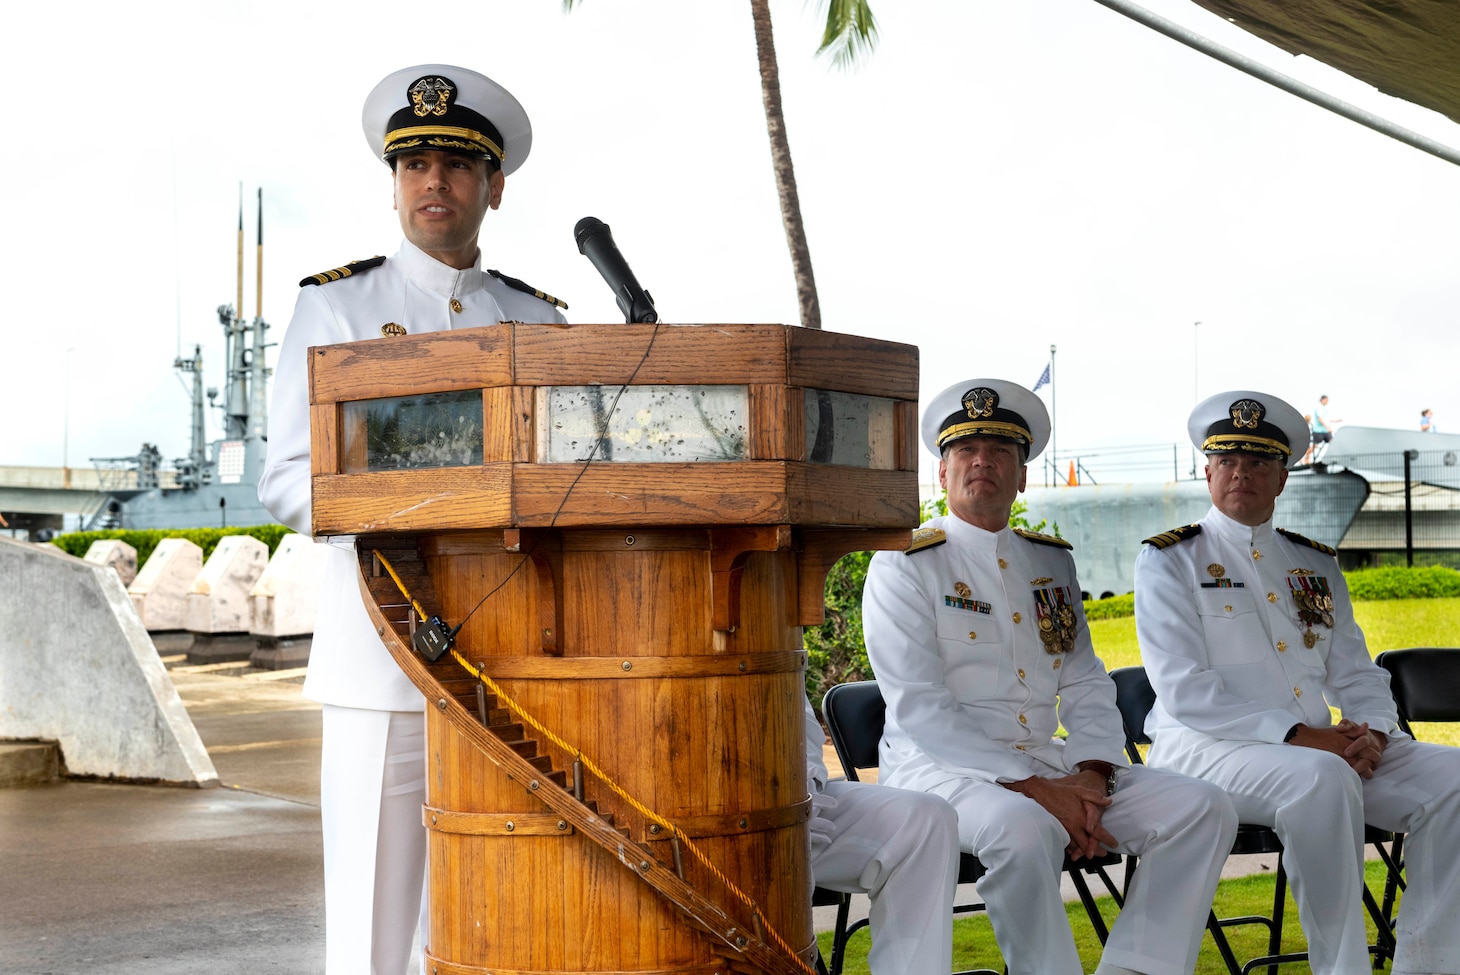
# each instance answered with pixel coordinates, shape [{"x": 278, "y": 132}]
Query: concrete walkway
[{"x": 109, "y": 879}]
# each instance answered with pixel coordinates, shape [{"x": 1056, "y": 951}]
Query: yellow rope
[{"x": 606, "y": 779}]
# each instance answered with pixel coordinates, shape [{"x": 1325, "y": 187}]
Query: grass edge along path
[{"x": 974, "y": 946}]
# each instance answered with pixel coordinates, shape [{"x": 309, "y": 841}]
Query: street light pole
[
  {"x": 1054, "y": 450},
  {"x": 1195, "y": 379},
  {"x": 66, "y": 421}
]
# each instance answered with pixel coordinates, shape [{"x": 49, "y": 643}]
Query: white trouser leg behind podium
[{"x": 372, "y": 786}]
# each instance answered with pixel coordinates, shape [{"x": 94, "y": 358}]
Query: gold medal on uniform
[
  {"x": 1314, "y": 601},
  {"x": 1056, "y": 619}
]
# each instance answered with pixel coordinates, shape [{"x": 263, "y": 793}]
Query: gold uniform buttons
[
  {"x": 1256, "y": 555},
  {"x": 1056, "y": 663},
  {"x": 1023, "y": 720},
  {"x": 972, "y": 635},
  {"x": 1020, "y": 747},
  {"x": 456, "y": 305},
  {"x": 1228, "y": 608},
  {"x": 1018, "y": 618},
  {"x": 1021, "y": 673},
  {"x": 1297, "y": 692},
  {"x": 1003, "y": 564},
  {"x": 1282, "y": 647},
  {"x": 1272, "y": 597}
]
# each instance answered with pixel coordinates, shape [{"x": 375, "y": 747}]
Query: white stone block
[
  {"x": 116, "y": 554},
  {"x": 77, "y": 667},
  {"x": 284, "y": 600},
  {"x": 160, "y": 591},
  {"x": 218, "y": 598}
]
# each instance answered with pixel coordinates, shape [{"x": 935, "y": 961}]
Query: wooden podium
[{"x": 622, "y": 529}]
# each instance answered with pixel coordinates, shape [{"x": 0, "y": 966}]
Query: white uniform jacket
[
  {"x": 348, "y": 665},
  {"x": 971, "y": 690},
  {"x": 1228, "y": 653}
]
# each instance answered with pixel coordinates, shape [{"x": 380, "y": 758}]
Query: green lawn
[
  {"x": 1388, "y": 625},
  {"x": 974, "y": 947}
]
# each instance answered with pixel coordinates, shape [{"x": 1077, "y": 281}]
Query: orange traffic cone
[{"x": 1073, "y": 482}]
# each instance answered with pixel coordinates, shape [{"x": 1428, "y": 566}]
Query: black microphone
[{"x": 595, "y": 242}]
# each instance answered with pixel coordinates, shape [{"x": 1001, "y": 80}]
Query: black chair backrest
[
  {"x": 1135, "y": 697},
  {"x": 1425, "y": 682},
  {"x": 854, "y": 715}
]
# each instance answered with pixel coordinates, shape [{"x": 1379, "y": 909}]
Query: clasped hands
[
  {"x": 1354, "y": 742},
  {"x": 1077, "y": 801}
]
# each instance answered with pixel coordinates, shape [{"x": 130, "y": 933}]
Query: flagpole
[{"x": 1054, "y": 452}]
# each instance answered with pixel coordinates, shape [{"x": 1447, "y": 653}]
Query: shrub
[
  {"x": 1403, "y": 583},
  {"x": 1112, "y": 608},
  {"x": 145, "y": 540}
]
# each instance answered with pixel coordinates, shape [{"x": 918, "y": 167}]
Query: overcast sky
[{"x": 999, "y": 177}]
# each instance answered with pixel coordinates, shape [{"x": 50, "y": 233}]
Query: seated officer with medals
[
  {"x": 978, "y": 640},
  {"x": 1248, "y": 637}
]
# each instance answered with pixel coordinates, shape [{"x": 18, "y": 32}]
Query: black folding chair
[
  {"x": 1425, "y": 682},
  {"x": 855, "y": 714},
  {"x": 1135, "y": 698}
]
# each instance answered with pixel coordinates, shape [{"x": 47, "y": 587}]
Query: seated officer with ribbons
[
  {"x": 1249, "y": 639},
  {"x": 978, "y": 640}
]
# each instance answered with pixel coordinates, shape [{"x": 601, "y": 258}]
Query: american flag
[{"x": 1043, "y": 379}]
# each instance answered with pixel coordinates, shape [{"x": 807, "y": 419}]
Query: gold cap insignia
[
  {"x": 962, "y": 589},
  {"x": 431, "y": 96},
  {"x": 391, "y": 328},
  {"x": 1246, "y": 413},
  {"x": 980, "y": 402},
  {"x": 1216, "y": 570}
]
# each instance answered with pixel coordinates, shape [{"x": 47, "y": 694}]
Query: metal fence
[{"x": 1412, "y": 514}]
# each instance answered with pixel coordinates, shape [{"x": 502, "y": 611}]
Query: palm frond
[{"x": 850, "y": 33}]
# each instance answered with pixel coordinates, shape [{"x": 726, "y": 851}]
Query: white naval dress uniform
[
  {"x": 952, "y": 634},
  {"x": 1225, "y": 650},
  {"x": 372, "y": 776},
  {"x": 898, "y": 847}
]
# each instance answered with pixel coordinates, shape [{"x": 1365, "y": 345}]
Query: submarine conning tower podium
[{"x": 593, "y": 548}]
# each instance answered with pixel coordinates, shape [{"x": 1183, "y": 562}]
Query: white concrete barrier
[
  {"x": 116, "y": 554},
  {"x": 160, "y": 591},
  {"x": 285, "y": 598},
  {"x": 77, "y": 667},
  {"x": 218, "y": 597}
]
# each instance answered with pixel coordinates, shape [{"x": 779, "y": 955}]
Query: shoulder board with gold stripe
[
  {"x": 1166, "y": 539},
  {"x": 1302, "y": 540},
  {"x": 521, "y": 285},
  {"x": 1039, "y": 539},
  {"x": 925, "y": 538},
  {"x": 335, "y": 274}
]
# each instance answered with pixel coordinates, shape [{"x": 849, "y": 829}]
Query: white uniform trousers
[
  {"x": 1181, "y": 829},
  {"x": 372, "y": 787},
  {"x": 1318, "y": 807},
  {"x": 901, "y": 849}
]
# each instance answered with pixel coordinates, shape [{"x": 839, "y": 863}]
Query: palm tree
[{"x": 850, "y": 32}]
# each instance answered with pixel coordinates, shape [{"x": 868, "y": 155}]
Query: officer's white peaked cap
[{"x": 452, "y": 109}]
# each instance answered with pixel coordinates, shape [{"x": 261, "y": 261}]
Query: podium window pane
[
  {"x": 413, "y": 432},
  {"x": 644, "y": 424},
  {"x": 849, "y": 429}
]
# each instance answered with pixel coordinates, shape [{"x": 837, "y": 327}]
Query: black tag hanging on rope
[{"x": 433, "y": 638}]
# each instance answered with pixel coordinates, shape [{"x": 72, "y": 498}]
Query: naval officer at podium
[{"x": 451, "y": 138}]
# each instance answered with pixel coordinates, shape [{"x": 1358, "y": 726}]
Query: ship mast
[
  {"x": 258, "y": 371},
  {"x": 235, "y": 396}
]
